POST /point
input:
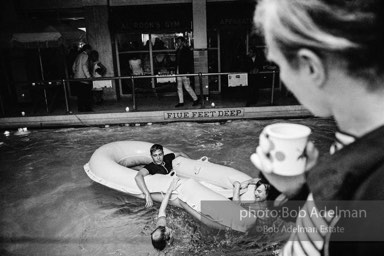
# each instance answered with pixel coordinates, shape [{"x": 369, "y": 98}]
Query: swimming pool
[{"x": 50, "y": 207}]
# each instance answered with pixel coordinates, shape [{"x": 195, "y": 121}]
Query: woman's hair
[
  {"x": 93, "y": 56},
  {"x": 347, "y": 31},
  {"x": 155, "y": 147},
  {"x": 161, "y": 240}
]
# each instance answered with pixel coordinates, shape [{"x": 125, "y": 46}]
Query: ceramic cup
[{"x": 288, "y": 147}]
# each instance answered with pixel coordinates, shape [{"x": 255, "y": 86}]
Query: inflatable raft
[{"x": 204, "y": 187}]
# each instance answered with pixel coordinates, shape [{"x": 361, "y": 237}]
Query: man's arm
[
  {"x": 236, "y": 192},
  {"x": 246, "y": 183},
  {"x": 164, "y": 203},
  {"x": 177, "y": 154},
  {"x": 139, "y": 178}
]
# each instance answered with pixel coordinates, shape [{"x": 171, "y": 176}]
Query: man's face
[
  {"x": 158, "y": 156},
  {"x": 261, "y": 193}
]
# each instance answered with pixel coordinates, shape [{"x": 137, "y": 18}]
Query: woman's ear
[{"x": 313, "y": 66}]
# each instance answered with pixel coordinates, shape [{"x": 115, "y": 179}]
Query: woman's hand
[{"x": 288, "y": 185}]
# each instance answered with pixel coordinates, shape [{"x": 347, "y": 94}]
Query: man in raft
[{"x": 161, "y": 164}]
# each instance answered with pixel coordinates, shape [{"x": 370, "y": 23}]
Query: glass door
[{"x": 156, "y": 55}]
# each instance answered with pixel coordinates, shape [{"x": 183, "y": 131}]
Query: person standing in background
[
  {"x": 97, "y": 69},
  {"x": 80, "y": 70},
  {"x": 184, "y": 66},
  {"x": 135, "y": 65},
  {"x": 253, "y": 65},
  {"x": 136, "y": 68}
]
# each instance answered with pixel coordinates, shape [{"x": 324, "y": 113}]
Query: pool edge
[{"x": 164, "y": 116}]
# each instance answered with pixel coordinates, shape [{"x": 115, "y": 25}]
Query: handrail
[
  {"x": 64, "y": 82},
  {"x": 60, "y": 81}
]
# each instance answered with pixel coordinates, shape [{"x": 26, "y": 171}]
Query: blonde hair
[{"x": 346, "y": 30}]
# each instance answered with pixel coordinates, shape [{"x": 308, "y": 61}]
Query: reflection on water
[{"x": 50, "y": 207}]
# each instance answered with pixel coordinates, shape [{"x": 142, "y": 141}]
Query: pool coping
[{"x": 164, "y": 116}]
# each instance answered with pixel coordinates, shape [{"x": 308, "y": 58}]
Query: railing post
[
  {"x": 133, "y": 93},
  {"x": 65, "y": 95},
  {"x": 45, "y": 98},
  {"x": 273, "y": 86},
  {"x": 201, "y": 90}
]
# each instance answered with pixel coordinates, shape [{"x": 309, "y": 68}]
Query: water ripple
[{"x": 50, "y": 207}]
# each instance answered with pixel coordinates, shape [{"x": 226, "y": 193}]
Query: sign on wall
[
  {"x": 204, "y": 114},
  {"x": 240, "y": 79},
  {"x": 151, "y": 18}
]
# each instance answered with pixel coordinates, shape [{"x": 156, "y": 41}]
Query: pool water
[{"x": 49, "y": 206}]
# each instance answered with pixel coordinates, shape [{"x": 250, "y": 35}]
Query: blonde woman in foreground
[{"x": 330, "y": 54}]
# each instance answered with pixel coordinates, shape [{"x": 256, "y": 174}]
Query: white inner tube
[{"x": 204, "y": 187}]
